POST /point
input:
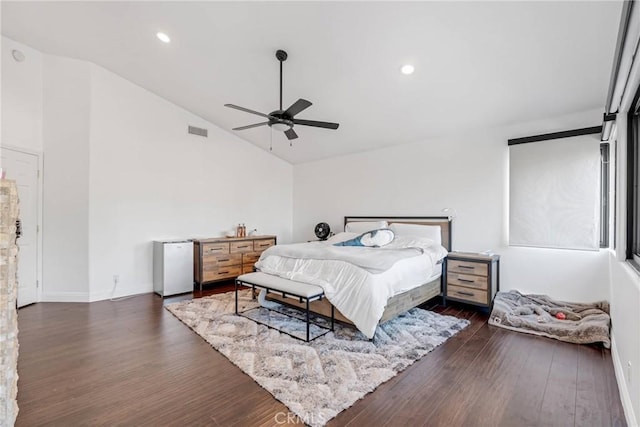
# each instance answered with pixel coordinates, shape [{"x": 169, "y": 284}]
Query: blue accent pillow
[{"x": 373, "y": 238}]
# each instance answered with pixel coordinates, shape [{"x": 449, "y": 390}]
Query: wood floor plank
[
  {"x": 522, "y": 406},
  {"x": 559, "y": 402},
  {"x": 591, "y": 380},
  {"x": 133, "y": 363}
]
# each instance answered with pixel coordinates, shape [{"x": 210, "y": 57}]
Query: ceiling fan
[{"x": 284, "y": 120}]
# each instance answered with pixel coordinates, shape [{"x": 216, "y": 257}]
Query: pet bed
[{"x": 536, "y": 314}]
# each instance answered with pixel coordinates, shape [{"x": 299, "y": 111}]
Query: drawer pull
[
  {"x": 223, "y": 260},
  {"x": 469, "y": 294},
  {"x": 466, "y": 266},
  {"x": 245, "y": 246},
  {"x": 465, "y": 280},
  {"x": 223, "y": 272}
]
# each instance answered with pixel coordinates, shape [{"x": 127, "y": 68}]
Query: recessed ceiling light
[
  {"x": 407, "y": 69},
  {"x": 163, "y": 37}
]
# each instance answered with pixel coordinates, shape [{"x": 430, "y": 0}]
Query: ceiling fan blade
[
  {"x": 314, "y": 123},
  {"x": 246, "y": 110},
  {"x": 296, "y": 107},
  {"x": 291, "y": 134},
  {"x": 255, "y": 125}
]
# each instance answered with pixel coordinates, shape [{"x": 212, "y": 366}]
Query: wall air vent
[{"x": 198, "y": 131}]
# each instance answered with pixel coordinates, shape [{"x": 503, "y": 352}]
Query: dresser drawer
[
  {"x": 261, "y": 245},
  {"x": 468, "y": 294},
  {"x": 250, "y": 257},
  {"x": 247, "y": 268},
  {"x": 209, "y": 249},
  {"x": 223, "y": 273},
  {"x": 240, "y": 247},
  {"x": 467, "y": 267},
  {"x": 216, "y": 261},
  {"x": 479, "y": 282}
]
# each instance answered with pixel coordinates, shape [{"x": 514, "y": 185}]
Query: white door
[{"x": 23, "y": 168}]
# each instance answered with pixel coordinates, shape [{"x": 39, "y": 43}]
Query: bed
[{"x": 407, "y": 284}]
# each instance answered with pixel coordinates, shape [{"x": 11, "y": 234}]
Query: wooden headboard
[{"x": 443, "y": 221}]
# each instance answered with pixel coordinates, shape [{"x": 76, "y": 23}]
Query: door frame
[{"x": 40, "y": 189}]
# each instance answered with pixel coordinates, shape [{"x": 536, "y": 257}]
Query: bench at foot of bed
[{"x": 303, "y": 292}]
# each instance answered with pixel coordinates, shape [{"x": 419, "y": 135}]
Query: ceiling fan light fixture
[{"x": 280, "y": 126}]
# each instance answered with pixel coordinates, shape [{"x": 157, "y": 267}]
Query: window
[
  {"x": 555, "y": 191},
  {"x": 633, "y": 199},
  {"x": 604, "y": 195}
]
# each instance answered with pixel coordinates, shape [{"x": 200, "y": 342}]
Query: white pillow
[
  {"x": 364, "y": 226},
  {"x": 377, "y": 238},
  {"x": 432, "y": 232}
]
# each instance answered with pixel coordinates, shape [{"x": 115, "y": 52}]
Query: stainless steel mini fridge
[{"x": 172, "y": 267}]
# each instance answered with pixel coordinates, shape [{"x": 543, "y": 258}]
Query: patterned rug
[{"x": 315, "y": 380}]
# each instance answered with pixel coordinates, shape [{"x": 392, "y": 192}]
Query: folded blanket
[{"x": 536, "y": 314}]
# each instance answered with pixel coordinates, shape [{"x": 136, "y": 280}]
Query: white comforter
[{"x": 360, "y": 295}]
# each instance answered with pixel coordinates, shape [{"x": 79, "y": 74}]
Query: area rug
[
  {"x": 538, "y": 315},
  {"x": 315, "y": 380}
]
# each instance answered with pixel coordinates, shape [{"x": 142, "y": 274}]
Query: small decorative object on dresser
[
  {"x": 472, "y": 278},
  {"x": 223, "y": 258}
]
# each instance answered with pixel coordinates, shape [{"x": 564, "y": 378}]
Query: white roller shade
[{"x": 554, "y": 193}]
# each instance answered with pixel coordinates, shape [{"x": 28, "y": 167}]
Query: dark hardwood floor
[{"x": 132, "y": 363}]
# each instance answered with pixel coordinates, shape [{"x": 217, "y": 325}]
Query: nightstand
[{"x": 472, "y": 278}]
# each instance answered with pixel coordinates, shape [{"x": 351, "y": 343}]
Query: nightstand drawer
[
  {"x": 479, "y": 282},
  {"x": 467, "y": 267},
  {"x": 468, "y": 294}
]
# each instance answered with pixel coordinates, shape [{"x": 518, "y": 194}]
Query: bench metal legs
[
  {"x": 307, "y": 319},
  {"x": 307, "y": 315},
  {"x": 236, "y": 296}
]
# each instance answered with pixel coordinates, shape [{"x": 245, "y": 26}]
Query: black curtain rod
[{"x": 555, "y": 135}]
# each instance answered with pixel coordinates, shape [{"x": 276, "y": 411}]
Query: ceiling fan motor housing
[
  {"x": 283, "y": 122},
  {"x": 281, "y": 55}
]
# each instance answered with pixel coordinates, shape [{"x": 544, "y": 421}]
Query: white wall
[
  {"x": 151, "y": 180},
  {"x": 120, "y": 170},
  {"x": 21, "y": 97},
  {"x": 66, "y": 124},
  {"x": 468, "y": 172}
]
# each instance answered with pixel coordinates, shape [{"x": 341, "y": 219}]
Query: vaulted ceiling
[{"x": 477, "y": 64}]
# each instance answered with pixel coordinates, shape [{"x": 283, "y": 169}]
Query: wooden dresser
[
  {"x": 472, "y": 278},
  {"x": 224, "y": 258}
]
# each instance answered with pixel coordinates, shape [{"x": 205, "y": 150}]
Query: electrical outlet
[
  {"x": 116, "y": 278},
  {"x": 629, "y": 371}
]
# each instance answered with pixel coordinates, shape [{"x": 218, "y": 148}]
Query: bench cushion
[{"x": 283, "y": 285}]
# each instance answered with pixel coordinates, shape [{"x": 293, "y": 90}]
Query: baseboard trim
[
  {"x": 65, "y": 297},
  {"x": 120, "y": 293},
  {"x": 627, "y": 405}
]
